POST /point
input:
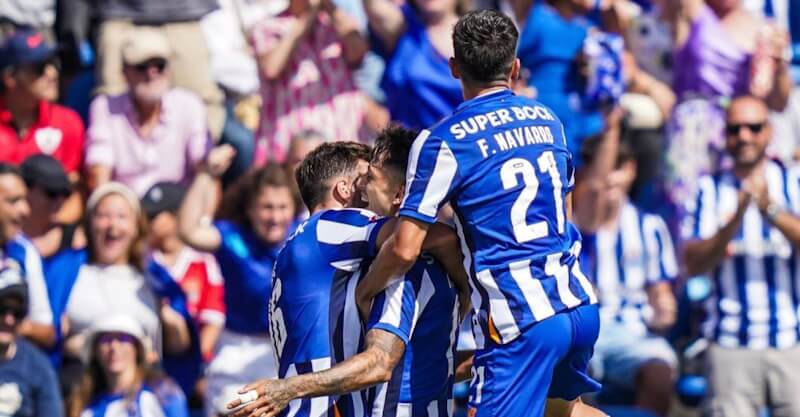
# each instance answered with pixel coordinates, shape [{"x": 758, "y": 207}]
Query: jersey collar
[{"x": 483, "y": 98}]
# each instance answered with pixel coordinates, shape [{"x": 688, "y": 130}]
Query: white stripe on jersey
[
  {"x": 531, "y": 289},
  {"x": 403, "y": 410},
  {"x": 426, "y": 291},
  {"x": 576, "y": 270},
  {"x": 336, "y": 233},
  {"x": 475, "y": 296},
  {"x": 553, "y": 267},
  {"x": 439, "y": 184},
  {"x": 433, "y": 409},
  {"x": 498, "y": 307},
  {"x": 351, "y": 328},
  {"x": 393, "y": 306}
]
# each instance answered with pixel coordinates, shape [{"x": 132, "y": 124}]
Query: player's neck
[
  {"x": 471, "y": 92},
  {"x": 330, "y": 204}
]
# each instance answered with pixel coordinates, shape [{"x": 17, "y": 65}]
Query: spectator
[
  {"x": 112, "y": 281},
  {"x": 306, "y": 58},
  {"x": 786, "y": 131},
  {"x": 301, "y": 144},
  {"x": 17, "y": 251},
  {"x": 415, "y": 40},
  {"x": 743, "y": 232},
  {"x": 179, "y": 22},
  {"x": 724, "y": 51},
  {"x": 119, "y": 380},
  {"x": 253, "y": 223},
  {"x": 130, "y": 134},
  {"x": 39, "y": 14},
  {"x": 30, "y": 122},
  {"x": 48, "y": 189},
  {"x": 628, "y": 254},
  {"x": 197, "y": 272},
  {"x": 27, "y": 381}
]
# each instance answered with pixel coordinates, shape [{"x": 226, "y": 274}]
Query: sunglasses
[
  {"x": 18, "y": 313},
  {"x": 159, "y": 64},
  {"x": 107, "y": 338},
  {"x": 733, "y": 129}
]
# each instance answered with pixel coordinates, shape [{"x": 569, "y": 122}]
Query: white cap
[
  {"x": 117, "y": 188},
  {"x": 145, "y": 43},
  {"x": 119, "y": 323}
]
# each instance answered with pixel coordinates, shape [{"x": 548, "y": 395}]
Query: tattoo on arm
[{"x": 374, "y": 365}]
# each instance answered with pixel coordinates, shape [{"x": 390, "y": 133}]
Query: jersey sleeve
[
  {"x": 700, "y": 220},
  {"x": 212, "y": 302},
  {"x": 346, "y": 237},
  {"x": 661, "y": 262},
  {"x": 393, "y": 310},
  {"x": 39, "y": 311},
  {"x": 431, "y": 177}
]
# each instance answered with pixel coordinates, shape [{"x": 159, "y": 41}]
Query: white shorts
[{"x": 240, "y": 360}]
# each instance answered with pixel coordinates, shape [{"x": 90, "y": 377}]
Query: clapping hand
[{"x": 219, "y": 160}]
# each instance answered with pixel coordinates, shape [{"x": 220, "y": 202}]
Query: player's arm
[
  {"x": 201, "y": 200},
  {"x": 443, "y": 243},
  {"x": 701, "y": 255},
  {"x": 372, "y": 366},
  {"x": 396, "y": 256}
]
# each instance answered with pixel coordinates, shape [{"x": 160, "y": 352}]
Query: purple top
[{"x": 710, "y": 64}]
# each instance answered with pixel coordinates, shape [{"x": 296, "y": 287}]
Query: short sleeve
[
  {"x": 346, "y": 237},
  {"x": 661, "y": 262},
  {"x": 431, "y": 178},
  {"x": 39, "y": 311},
  {"x": 212, "y": 302},
  {"x": 393, "y": 310},
  {"x": 99, "y": 148},
  {"x": 700, "y": 220},
  {"x": 199, "y": 139}
]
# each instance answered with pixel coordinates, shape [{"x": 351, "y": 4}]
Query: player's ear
[
  {"x": 400, "y": 194},
  {"x": 515, "y": 69},
  {"x": 454, "y": 69},
  {"x": 342, "y": 191}
]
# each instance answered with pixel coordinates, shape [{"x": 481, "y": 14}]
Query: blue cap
[{"x": 25, "y": 47}]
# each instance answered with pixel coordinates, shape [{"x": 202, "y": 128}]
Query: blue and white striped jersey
[
  {"x": 503, "y": 164},
  {"x": 755, "y": 290},
  {"x": 313, "y": 315},
  {"x": 624, "y": 261},
  {"x": 422, "y": 309}
]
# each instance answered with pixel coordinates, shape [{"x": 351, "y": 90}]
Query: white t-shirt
[{"x": 103, "y": 291}]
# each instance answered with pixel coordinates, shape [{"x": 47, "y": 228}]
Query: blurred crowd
[{"x": 147, "y": 156}]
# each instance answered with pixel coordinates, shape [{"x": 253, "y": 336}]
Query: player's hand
[
  {"x": 273, "y": 396},
  {"x": 219, "y": 160}
]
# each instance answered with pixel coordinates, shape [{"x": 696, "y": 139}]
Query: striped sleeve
[
  {"x": 346, "y": 237},
  {"x": 430, "y": 179},
  {"x": 661, "y": 262},
  {"x": 394, "y": 309},
  {"x": 700, "y": 220},
  {"x": 39, "y": 311}
]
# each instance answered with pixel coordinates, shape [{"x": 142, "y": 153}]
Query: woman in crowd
[
  {"x": 416, "y": 42},
  {"x": 306, "y": 58},
  {"x": 250, "y": 229},
  {"x": 112, "y": 280},
  {"x": 118, "y": 380}
]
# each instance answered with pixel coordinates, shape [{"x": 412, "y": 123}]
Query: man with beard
[
  {"x": 744, "y": 230},
  {"x": 130, "y": 134}
]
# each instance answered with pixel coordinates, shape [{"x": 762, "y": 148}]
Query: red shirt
[
  {"x": 199, "y": 276},
  {"x": 58, "y": 132}
]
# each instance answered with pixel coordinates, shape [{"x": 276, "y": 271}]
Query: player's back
[
  {"x": 503, "y": 164},
  {"x": 427, "y": 306},
  {"x": 313, "y": 317}
]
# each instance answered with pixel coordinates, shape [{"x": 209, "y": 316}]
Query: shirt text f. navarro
[{"x": 511, "y": 138}]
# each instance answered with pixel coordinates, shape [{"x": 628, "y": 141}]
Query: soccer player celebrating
[
  {"x": 412, "y": 326},
  {"x": 502, "y": 163}
]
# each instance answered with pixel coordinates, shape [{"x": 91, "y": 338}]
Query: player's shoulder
[{"x": 347, "y": 216}]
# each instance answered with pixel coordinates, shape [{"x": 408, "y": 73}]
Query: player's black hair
[
  {"x": 324, "y": 163},
  {"x": 625, "y": 150},
  {"x": 391, "y": 149},
  {"x": 485, "y": 45}
]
